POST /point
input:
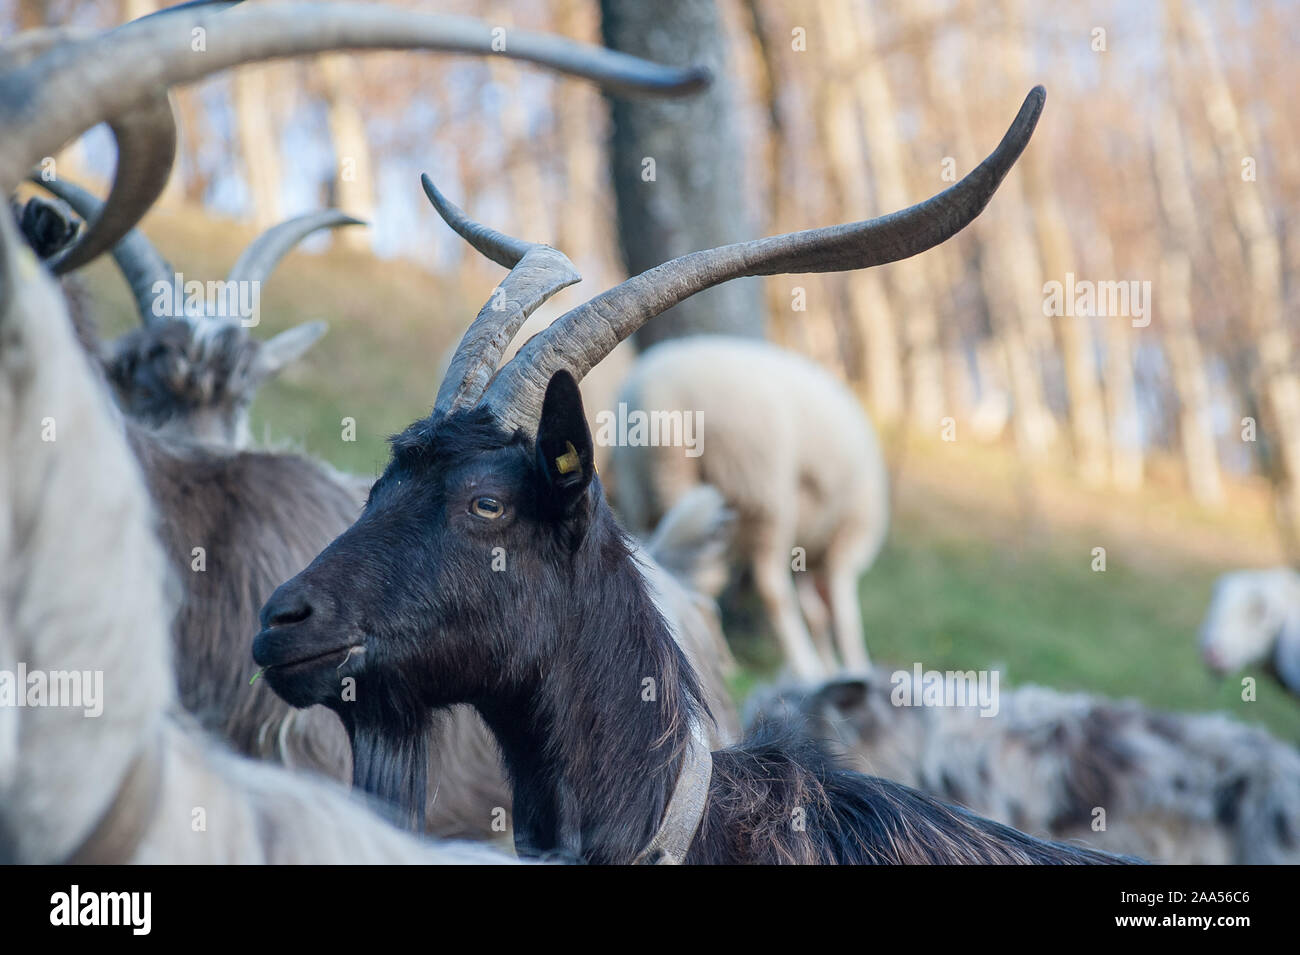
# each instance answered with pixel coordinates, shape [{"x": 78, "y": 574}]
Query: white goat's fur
[
  {"x": 1253, "y": 617},
  {"x": 84, "y": 590},
  {"x": 794, "y": 456},
  {"x": 1176, "y": 788}
]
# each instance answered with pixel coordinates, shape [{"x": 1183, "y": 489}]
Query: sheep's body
[
  {"x": 1175, "y": 787},
  {"x": 1254, "y": 616},
  {"x": 67, "y": 608},
  {"x": 796, "y": 459}
]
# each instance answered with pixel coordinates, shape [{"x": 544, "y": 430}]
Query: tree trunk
[
  {"x": 354, "y": 174},
  {"x": 853, "y": 41},
  {"x": 1127, "y": 458},
  {"x": 1010, "y": 278},
  {"x": 1187, "y": 365},
  {"x": 1074, "y": 334},
  {"x": 676, "y": 163},
  {"x": 259, "y": 145},
  {"x": 839, "y": 128},
  {"x": 1278, "y": 383},
  {"x": 578, "y": 226}
]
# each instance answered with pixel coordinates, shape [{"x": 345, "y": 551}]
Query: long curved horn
[
  {"x": 66, "y": 91},
  {"x": 146, "y": 149},
  {"x": 146, "y": 146},
  {"x": 264, "y": 253},
  {"x": 141, "y": 264},
  {"x": 188, "y": 5},
  {"x": 586, "y": 334},
  {"x": 536, "y": 273}
]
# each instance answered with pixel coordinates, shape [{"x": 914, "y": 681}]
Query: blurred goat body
[
  {"x": 1172, "y": 788},
  {"x": 794, "y": 456}
]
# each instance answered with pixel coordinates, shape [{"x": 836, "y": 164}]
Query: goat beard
[{"x": 393, "y": 767}]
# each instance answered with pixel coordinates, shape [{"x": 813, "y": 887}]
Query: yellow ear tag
[{"x": 568, "y": 461}]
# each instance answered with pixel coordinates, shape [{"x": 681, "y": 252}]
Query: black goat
[{"x": 488, "y": 569}]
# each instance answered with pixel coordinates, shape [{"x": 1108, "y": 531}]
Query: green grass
[
  {"x": 973, "y": 575},
  {"x": 960, "y": 601},
  {"x": 1044, "y": 616}
]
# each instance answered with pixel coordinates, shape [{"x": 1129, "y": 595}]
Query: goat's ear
[
  {"x": 286, "y": 348},
  {"x": 845, "y": 695},
  {"x": 564, "y": 449}
]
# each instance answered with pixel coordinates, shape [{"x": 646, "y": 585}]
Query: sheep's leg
[
  {"x": 817, "y": 616},
  {"x": 846, "y": 615},
  {"x": 775, "y": 586}
]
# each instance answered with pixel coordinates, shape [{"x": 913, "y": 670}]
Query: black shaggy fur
[{"x": 487, "y": 568}]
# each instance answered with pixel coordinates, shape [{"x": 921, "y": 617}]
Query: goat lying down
[
  {"x": 1174, "y": 787},
  {"x": 131, "y": 784},
  {"x": 599, "y": 715},
  {"x": 1254, "y": 617}
]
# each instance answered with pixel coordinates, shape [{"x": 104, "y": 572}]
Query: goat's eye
[{"x": 488, "y": 507}]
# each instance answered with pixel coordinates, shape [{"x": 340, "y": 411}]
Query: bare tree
[
  {"x": 259, "y": 144},
  {"x": 1196, "y": 427},
  {"x": 676, "y": 164},
  {"x": 1278, "y": 382},
  {"x": 354, "y": 173}
]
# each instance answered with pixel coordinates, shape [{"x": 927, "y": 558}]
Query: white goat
[
  {"x": 794, "y": 456},
  {"x": 131, "y": 784},
  {"x": 1252, "y": 615}
]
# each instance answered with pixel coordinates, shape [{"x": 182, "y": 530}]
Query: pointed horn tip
[
  {"x": 446, "y": 208},
  {"x": 1036, "y": 99},
  {"x": 695, "y": 79}
]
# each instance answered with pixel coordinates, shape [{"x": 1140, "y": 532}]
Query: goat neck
[{"x": 594, "y": 744}]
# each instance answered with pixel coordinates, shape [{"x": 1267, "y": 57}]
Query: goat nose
[{"x": 286, "y": 607}]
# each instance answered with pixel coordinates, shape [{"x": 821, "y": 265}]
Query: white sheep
[
  {"x": 794, "y": 456},
  {"x": 1254, "y": 614}
]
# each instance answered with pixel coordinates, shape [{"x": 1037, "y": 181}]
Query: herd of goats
[{"x": 473, "y": 640}]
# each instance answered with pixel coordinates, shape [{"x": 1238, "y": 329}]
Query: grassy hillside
[{"x": 983, "y": 567}]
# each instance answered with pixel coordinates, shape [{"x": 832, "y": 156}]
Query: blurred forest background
[{"x": 1169, "y": 153}]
